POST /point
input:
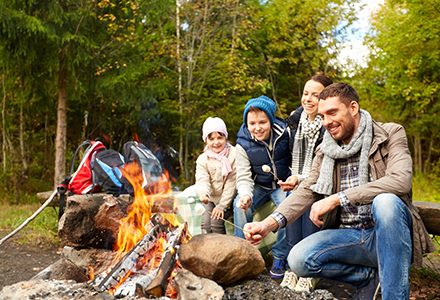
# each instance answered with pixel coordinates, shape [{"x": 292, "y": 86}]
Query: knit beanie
[
  {"x": 213, "y": 125},
  {"x": 264, "y": 103}
]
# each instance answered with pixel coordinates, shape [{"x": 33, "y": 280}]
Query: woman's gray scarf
[
  {"x": 304, "y": 144},
  {"x": 332, "y": 150}
]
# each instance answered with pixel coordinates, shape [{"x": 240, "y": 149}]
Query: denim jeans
[
  {"x": 298, "y": 230},
  {"x": 260, "y": 197},
  {"x": 354, "y": 256}
]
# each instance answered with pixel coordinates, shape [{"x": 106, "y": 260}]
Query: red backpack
[{"x": 81, "y": 182}]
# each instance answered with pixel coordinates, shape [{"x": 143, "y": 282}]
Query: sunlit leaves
[{"x": 403, "y": 78}]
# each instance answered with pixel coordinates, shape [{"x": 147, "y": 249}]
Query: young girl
[{"x": 215, "y": 176}]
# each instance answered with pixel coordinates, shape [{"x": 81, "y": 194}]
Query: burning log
[
  {"x": 127, "y": 263},
  {"x": 159, "y": 285},
  {"x": 128, "y": 288}
]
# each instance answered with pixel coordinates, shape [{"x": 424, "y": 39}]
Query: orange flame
[
  {"x": 113, "y": 289},
  {"x": 133, "y": 227},
  {"x": 147, "y": 201},
  {"x": 91, "y": 274}
]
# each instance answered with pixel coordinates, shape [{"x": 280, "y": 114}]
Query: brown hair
[
  {"x": 322, "y": 79},
  {"x": 344, "y": 91},
  {"x": 220, "y": 133}
]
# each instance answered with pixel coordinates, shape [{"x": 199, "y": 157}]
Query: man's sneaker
[
  {"x": 278, "y": 268},
  {"x": 290, "y": 279},
  {"x": 306, "y": 284},
  {"x": 369, "y": 291}
]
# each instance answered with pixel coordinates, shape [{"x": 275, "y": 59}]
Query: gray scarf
[
  {"x": 304, "y": 144},
  {"x": 332, "y": 150}
]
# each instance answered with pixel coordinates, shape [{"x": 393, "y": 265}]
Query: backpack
[
  {"x": 81, "y": 181},
  {"x": 150, "y": 166},
  {"x": 107, "y": 175}
]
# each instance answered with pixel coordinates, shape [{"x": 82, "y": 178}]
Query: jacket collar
[{"x": 380, "y": 136}]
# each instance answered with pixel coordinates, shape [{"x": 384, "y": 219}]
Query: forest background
[{"x": 154, "y": 70}]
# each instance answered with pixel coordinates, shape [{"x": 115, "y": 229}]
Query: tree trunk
[
  {"x": 21, "y": 133},
  {"x": 418, "y": 164},
  {"x": 60, "y": 141},
  {"x": 427, "y": 164},
  {"x": 179, "y": 70},
  {"x": 4, "y": 122},
  {"x": 234, "y": 25},
  {"x": 24, "y": 169}
]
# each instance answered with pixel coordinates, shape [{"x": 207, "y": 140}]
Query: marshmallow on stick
[
  {"x": 200, "y": 210},
  {"x": 267, "y": 169}
]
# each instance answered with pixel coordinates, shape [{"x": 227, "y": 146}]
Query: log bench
[{"x": 429, "y": 211}]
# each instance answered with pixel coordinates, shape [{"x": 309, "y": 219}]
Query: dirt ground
[{"x": 21, "y": 263}]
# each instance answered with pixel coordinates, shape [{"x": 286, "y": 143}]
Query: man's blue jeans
[
  {"x": 260, "y": 197},
  {"x": 299, "y": 230},
  {"x": 354, "y": 256}
]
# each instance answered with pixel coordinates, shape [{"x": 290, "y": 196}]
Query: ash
[{"x": 264, "y": 288}]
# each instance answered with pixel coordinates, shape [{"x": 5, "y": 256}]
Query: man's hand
[
  {"x": 217, "y": 213},
  {"x": 321, "y": 207},
  {"x": 290, "y": 183},
  {"x": 245, "y": 202},
  {"x": 256, "y": 231},
  {"x": 204, "y": 198}
]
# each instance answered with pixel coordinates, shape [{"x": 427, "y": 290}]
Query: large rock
[
  {"x": 222, "y": 258},
  {"x": 192, "y": 287},
  {"x": 91, "y": 220},
  {"x": 98, "y": 259},
  {"x": 63, "y": 269}
]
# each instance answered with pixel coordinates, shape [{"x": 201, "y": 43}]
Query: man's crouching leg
[
  {"x": 394, "y": 247},
  {"x": 338, "y": 254}
]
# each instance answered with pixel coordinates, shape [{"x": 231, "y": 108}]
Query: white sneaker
[
  {"x": 306, "y": 284},
  {"x": 290, "y": 279}
]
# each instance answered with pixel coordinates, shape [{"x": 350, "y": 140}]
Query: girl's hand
[
  {"x": 290, "y": 183},
  {"x": 217, "y": 213},
  {"x": 204, "y": 198},
  {"x": 245, "y": 202}
]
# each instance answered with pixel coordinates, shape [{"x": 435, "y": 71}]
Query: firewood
[
  {"x": 128, "y": 261},
  {"x": 159, "y": 285},
  {"x": 128, "y": 288}
]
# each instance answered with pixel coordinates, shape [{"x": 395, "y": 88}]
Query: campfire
[{"x": 147, "y": 242}]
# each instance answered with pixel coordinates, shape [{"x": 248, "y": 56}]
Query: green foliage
[
  {"x": 402, "y": 82},
  {"x": 294, "y": 41},
  {"x": 119, "y": 62}
]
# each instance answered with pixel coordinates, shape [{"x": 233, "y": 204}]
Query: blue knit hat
[{"x": 264, "y": 103}]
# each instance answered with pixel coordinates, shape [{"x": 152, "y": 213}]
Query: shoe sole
[{"x": 277, "y": 276}]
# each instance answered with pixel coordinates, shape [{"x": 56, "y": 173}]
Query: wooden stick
[
  {"x": 274, "y": 175},
  {"x": 227, "y": 221},
  {"x": 30, "y": 218}
]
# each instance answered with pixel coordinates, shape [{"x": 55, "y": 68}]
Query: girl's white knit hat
[{"x": 213, "y": 125}]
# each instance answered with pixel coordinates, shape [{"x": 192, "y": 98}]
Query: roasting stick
[
  {"x": 30, "y": 218},
  {"x": 200, "y": 209},
  {"x": 266, "y": 169}
]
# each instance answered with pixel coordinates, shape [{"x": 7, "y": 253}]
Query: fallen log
[{"x": 430, "y": 213}]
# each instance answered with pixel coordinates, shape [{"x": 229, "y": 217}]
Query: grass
[
  {"x": 425, "y": 189},
  {"x": 42, "y": 231}
]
